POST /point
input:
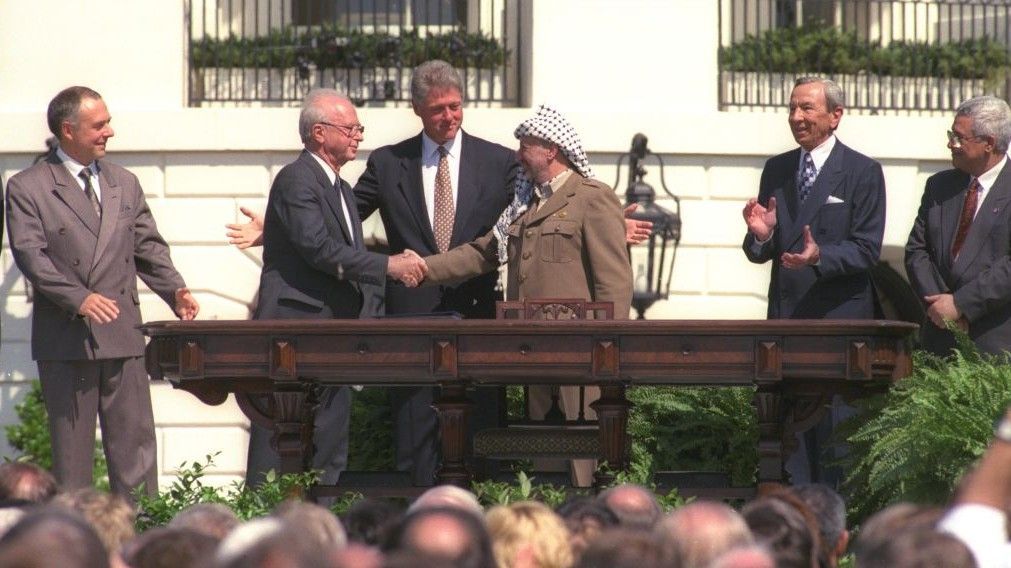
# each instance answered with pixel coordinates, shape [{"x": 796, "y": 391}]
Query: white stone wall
[{"x": 624, "y": 66}]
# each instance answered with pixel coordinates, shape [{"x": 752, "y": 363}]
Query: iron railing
[
  {"x": 894, "y": 56},
  {"x": 274, "y": 51}
]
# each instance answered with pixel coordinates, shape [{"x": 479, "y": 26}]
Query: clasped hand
[{"x": 407, "y": 267}]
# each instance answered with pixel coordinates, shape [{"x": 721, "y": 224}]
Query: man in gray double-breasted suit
[{"x": 81, "y": 232}]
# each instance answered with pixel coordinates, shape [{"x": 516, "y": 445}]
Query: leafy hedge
[
  {"x": 915, "y": 442},
  {"x": 831, "y": 51},
  {"x": 330, "y": 46}
]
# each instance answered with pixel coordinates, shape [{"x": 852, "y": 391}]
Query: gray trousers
[{"x": 118, "y": 393}]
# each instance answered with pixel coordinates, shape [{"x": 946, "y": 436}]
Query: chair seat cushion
[{"x": 527, "y": 442}]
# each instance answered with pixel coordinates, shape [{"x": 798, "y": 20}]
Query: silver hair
[
  {"x": 313, "y": 111},
  {"x": 990, "y": 117},
  {"x": 434, "y": 74},
  {"x": 834, "y": 96}
]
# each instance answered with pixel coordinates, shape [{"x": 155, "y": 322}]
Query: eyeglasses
[
  {"x": 349, "y": 130},
  {"x": 957, "y": 140}
]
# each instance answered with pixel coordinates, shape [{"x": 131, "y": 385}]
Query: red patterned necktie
[
  {"x": 965, "y": 219},
  {"x": 444, "y": 209}
]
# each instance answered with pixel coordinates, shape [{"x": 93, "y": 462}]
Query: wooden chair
[{"x": 555, "y": 436}]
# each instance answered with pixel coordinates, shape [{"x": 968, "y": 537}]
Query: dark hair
[
  {"x": 65, "y": 105},
  {"x": 164, "y": 547},
  {"x": 52, "y": 536},
  {"x": 370, "y": 521},
  {"x": 582, "y": 507},
  {"x": 782, "y": 528},
  {"x": 624, "y": 548},
  {"x": 918, "y": 548},
  {"x": 828, "y": 507},
  {"x": 22, "y": 481}
]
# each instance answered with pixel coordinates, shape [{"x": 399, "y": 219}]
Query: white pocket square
[{"x": 833, "y": 199}]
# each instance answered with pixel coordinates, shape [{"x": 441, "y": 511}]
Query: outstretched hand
[
  {"x": 636, "y": 230},
  {"x": 807, "y": 257},
  {"x": 761, "y": 220},
  {"x": 407, "y": 267},
  {"x": 245, "y": 235}
]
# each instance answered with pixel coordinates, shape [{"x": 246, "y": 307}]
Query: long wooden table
[{"x": 796, "y": 365}]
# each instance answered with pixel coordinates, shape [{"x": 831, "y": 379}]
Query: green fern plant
[{"x": 915, "y": 442}]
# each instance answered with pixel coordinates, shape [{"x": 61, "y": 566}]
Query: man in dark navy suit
[{"x": 819, "y": 217}]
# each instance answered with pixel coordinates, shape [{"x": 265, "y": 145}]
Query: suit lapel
[
  {"x": 356, "y": 223},
  {"x": 67, "y": 191},
  {"x": 951, "y": 210},
  {"x": 111, "y": 197},
  {"x": 787, "y": 202},
  {"x": 413, "y": 189},
  {"x": 993, "y": 208},
  {"x": 468, "y": 190},
  {"x": 330, "y": 194},
  {"x": 828, "y": 180}
]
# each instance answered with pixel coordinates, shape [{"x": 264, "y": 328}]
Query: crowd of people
[{"x": 624, "y": 526}]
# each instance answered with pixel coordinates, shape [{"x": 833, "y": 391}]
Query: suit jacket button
[
  {"x": 122, "y": 291},
  {"x": 526, "y": 255},
  {"x": 62, "y": 231},
  {"x": 522, "y": 277},
  {"x": 530, "y": 234}
]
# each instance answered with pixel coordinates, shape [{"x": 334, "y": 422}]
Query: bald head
[
  {"x": 445, "y": 532},
  {"x": 698, "y": 533},
  {"x": 634, "y": 505},
  {"x": 748, "y": 557}
]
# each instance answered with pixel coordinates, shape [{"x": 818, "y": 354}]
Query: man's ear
[{"x": 842, "y": 543}]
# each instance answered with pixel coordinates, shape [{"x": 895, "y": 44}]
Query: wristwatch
[{"x": 1002, "y": 429}]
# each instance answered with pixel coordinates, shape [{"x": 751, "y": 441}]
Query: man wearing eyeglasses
[
  {"x": 819, "y": 218},
  {"x": 315, "y": 265},
  {"x": 958, "y": 257}
]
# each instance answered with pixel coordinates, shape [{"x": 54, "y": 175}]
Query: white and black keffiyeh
[{"x": 548, "y": 124}]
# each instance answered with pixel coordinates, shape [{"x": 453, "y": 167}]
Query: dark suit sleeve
[
  {"x": 367, "y": 189},
  {"x": 151, "y": 253},
  {"x": 762, "y": 252},
  {"x": 921, "y": 266},
  {"x": 988, "y": 292},
  {"x": 860, "y": 251},
  {"x": 299, "y": 207}
]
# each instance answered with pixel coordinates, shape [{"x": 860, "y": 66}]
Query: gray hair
[
  {"x": 828, "y": 507},
  {"x": 990, "y": 117},
  {"x": 65, "y": 106},
  {"x": 434, "y": 74},
  {"x": 313, "y": 111},
  {"x": 834, "y": 96}
]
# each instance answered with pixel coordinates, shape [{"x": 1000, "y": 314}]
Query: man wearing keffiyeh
[{"x": 563, "y": 235}]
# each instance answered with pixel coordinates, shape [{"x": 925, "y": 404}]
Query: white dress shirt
[
  {"x": 75, "y": 167},
  {"x": 986, "y": 181}
]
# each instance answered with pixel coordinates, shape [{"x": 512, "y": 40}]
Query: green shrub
[
  {"x": 830, "y": 51},
  {"x": 915, "y": 442},
  {"x": 31, "y": 438},
  {"x": 370, "y": 440},
  {"x": 330, "y": 46}
]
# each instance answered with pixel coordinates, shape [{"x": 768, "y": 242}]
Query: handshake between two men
[{"x": 407, "y": 267}]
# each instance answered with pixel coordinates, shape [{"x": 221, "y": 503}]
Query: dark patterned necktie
[
  {"x": 806, "y": 177},
  {"x": 444, "y": 209},
  {"x": 965, "y": 219},
  {"x": 89, "y": 191}
]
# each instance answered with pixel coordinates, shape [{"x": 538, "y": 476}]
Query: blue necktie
[{"x": 805, "y": 177}]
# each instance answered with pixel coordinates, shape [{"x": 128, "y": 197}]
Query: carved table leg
[
  {"x": 293, "y": 423},
  {"x": 768, "y": 404},
  {"x": 612, "y": 415},
  {"x": 454, "y": 408}
]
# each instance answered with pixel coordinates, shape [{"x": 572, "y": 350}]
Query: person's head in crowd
[
  {"x": 356, "y": 555},
  {"x": 918, "y": 548},
  {"x": 529, "y": 534},
  {"x": 635, "y": 506},
  {"x": 415, "y": 559},
  {"x": 278, "y": 547},
  {"x": 314, "y": 521},
  {"x": 699, "y": 532},
  {"x": 26, "y": 482},
  {"x": 52, "y": 536},
  {"x": 745, "y": 557},
  {"x": 451, "y": 533},
  {"x": 165, "y": 547},
  {"x": 625, "y": 548},
  {"x": 244, "y": 537},
  {"x": 437, "y": 99},
  {"x": 329, "y": 127},
  {"x": 830, "y": 510},
  {"x": 369, "y": 521},
  {"x": 585, "y": 518},
  {"x": 448, "y": 496},
  {"x": 212, "y": 519},
  {"x": 782, "y": 529},
  {"x": 112, "y": 516},
  {"x": 888, "y": 522}
]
